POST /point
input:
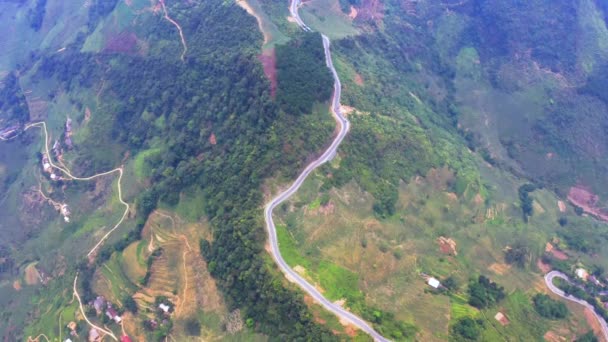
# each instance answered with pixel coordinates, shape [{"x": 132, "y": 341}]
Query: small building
[
  {"x": 166, "y": 308},
  {"x": 46, "y": 166},
  {"x": 68, "y": 125},
  {"x": 113, "y": 315},
  {"x": 434, "y": 283},
  {"x": 125, "y": 338},
  {"x": 94, "y": 335},
  {"x": 65, "y": 211},
  {"x": 99, "y": 304},
  {"x": 501, "y": 318},
  {"x": 582, "y": 273}
]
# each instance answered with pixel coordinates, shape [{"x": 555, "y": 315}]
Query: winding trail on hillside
[
  {"x": 343, "y": 127},
  {"x": 549, "y": 277},
  {"x": 107, "y": 332},
  {"x": 179, "y": 28},
  {"x": 72, "y": 177}
]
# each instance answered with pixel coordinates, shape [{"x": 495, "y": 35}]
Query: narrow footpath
[{"x": 343, "y": 127}]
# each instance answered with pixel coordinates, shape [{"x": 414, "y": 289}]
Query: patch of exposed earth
[{"x": 584, "y": 198}]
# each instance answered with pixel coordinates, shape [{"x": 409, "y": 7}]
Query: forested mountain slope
[
  {"x": 476, "y": 157},
  {"x": 202, "y": 132},
  {"x": 477, "y": 144}
]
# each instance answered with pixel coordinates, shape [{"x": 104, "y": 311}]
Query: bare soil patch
[
  {"x": 32, "y": 277},
  {"x": 245, "y": 5},
  {"x": 544, "y": 268},
  {"x": 350, "y": 330},
  {"x": 353, "y": 13},
  {"x": 269, "y": 62},
  {"x": 593, "y": 323},
  {"x": 555, "y": 252},
  {"x": 551, "y": 336},
  {"x": 583, "y": 197},
  {"x": 370, "y": 10},
  {"x": 358, "y": 79},
  {"x": 499, "y": 269},
  {"x": 562, "y": 206},
  {"x": 447, "y": 245}
]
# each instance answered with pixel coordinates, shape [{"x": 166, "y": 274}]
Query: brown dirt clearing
[
  {"x": 583, "y": 197},
  {"x": 562, "y": 206},
  {"x": 594, "y": 324},
  {"x": 245, "y": 5},
  {"x": 358, "y": 79},
  {"x": 269, "y": 63},
  {"x": 32, "y": 276},
  {"x": 551, "y": 336},
  {"x": 499, "y": 268}
]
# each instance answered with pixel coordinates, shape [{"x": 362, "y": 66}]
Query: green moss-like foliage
[{"x": 302, "y": 75}]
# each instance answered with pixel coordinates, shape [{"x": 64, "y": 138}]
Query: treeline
[
  {"x": 36, "y": 15},
  {"x": 549, "y": 308},
  {"x": 219, "y": 90},
  {"x": 526, "y": 200},
  {"x": 484, "y": 293},
  {"x": 580, "y": 293},
  {"x": 13, "y": 105},
  {"x": 302, "y": 75},
  {"x": 345, "y": 4}
]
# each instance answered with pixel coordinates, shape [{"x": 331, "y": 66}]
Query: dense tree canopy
[
  {"x": 302, "y": 76},
  {"x": 549, "y": 308},
  {"x": 484, "y": 293}
]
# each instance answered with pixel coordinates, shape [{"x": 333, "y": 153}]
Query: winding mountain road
[
  {"x": 343, "y": 127},
  {"x": 549, "y": 281},
  {"x": 293, "y": 9}
]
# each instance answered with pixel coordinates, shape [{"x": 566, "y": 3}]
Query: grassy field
[
  {"x": 351, "y": 254},
  {"x": 327, "y": 17}
]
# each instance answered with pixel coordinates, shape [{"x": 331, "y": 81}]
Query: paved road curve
[
  {"x": 293, "y": 9},
  {"x": 549, "y": 281},
  {"x": 343, "y": 127}
]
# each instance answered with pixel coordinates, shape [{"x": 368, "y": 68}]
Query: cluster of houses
[
  {"x": 47, "y": 168},
  {"x": 100, "y": 304},
  {"x": 584, "y": 275},
  {"x": 58, "y": 151},
  {"x": 95, "y": 336},
  {"x": 163, "y": 313}
]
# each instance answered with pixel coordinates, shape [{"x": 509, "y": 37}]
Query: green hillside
[{"x": 476, "y": 157}]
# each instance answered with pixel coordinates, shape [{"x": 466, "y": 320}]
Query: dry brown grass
[{"x": 180, "y": 273}]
